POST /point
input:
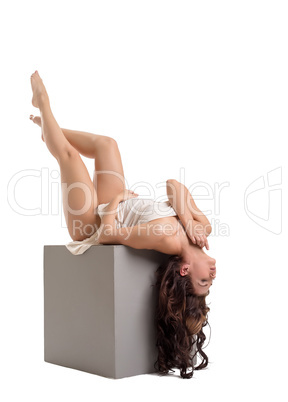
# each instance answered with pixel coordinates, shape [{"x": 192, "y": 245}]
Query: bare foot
[
  {"x": 40, "y": 96},
  {"x": 37, "y": 120}
]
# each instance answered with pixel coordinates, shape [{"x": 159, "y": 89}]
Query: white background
[{"x": 190, "y": 86}]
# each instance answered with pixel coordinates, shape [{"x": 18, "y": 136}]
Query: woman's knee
[
  {"x": 67, "y": 153},
  {"x": 105, "y": 141}
]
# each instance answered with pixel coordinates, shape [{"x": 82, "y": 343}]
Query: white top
[{"x": 129, "y": 213}]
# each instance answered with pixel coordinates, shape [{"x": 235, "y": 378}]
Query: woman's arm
[
  {"x": 150, "y": 236},
  {"x": 109, "y": 214},
  {"x": 184, "y": 204},
  {"x": 108, "y": 226},
  {"x": 144, "y": 236},
  {"x": 194, "y": 221}
]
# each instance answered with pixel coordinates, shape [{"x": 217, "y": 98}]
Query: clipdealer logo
[{"x": 265, "y": 191}]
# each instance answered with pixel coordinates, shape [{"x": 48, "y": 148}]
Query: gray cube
[{"x": 99, "y": 309}]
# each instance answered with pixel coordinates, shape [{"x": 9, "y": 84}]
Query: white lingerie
[{"x": 129, "y": 213}]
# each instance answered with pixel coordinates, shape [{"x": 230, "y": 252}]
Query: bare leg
[
  {"x": 78, "y": 193},
  {"x": 109, "y": 174},
  {"x": 85, "y": 143}
]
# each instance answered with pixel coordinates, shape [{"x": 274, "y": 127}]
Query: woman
[{"x": 105, "y": 212}]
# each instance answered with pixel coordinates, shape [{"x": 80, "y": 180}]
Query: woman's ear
[{"x": 184, "y": 270}]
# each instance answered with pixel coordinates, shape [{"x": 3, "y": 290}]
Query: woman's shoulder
[
  {"x": 172, "y": 244},
  {"x": 179, "y": 238}
]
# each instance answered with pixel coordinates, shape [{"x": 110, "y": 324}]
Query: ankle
[{"x": 43, "y": 103}]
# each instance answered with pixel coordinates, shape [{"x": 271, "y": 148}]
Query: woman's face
[{"x": 200, "y": 267}]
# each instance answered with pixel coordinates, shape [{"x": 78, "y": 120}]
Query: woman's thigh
[
  {"x": 108, "y": 177},
  {"x": 79, "y": 197}
]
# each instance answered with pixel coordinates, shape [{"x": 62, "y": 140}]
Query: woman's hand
[
  {"x": 126, "y": 195},
  {"x": 108, "y": 226},
  {"x": 195, "y": 231},
  {"x": 110, "y": 210}
]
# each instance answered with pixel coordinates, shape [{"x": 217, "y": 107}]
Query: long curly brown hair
[{"x": 180, "y": 318}]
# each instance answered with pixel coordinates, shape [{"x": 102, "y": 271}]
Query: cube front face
[
  {"x": 79, "y": 327},
  {"x": 99, "y": 309}
]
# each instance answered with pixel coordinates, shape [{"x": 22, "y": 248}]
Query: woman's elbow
[
  {"x": 208, "y": 229},
  {"x": 171, "y": 181}
]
